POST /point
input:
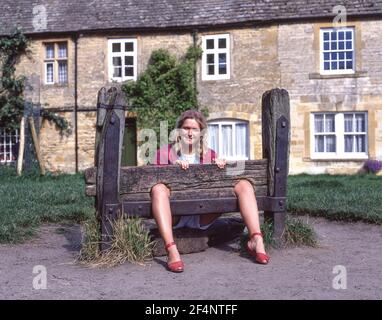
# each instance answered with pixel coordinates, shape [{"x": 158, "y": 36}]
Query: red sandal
[
  {"x": 176, "y": 266},
  {"x": 261, "y": 258}
]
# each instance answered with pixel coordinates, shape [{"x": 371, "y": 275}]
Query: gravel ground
[{"x": 217, "y": 273}]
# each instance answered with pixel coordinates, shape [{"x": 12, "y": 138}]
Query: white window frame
[
  {"x": 233, "y": 123},
  {"x": 46, "y": 72},
  {"x": 338, "y": 71},
  {"x": 55, "y": 61},
  {"x": 122, "y": 54},
  {"x": 6, "y": 154},
  {"x": 216, "y": 52},
  {"x": 339, "y": 123}
]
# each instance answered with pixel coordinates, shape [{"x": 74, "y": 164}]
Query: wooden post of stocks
[
  {"x": 276, "y": 137},
  {"x": 20, "y": 157},
  {"x": 36, "y": 144},
  {"x": 108, "y": 157}
]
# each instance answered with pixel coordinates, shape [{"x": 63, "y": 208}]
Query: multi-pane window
[
  {"x": 8, "y": 143},
  {"x": 355, "y": 132},
  {"x": 216, "y": 57},
  {"x": 229, "y": 138},
  {"x": 339, "y": 135},
  {"x": 56, "y": 63},
  {"x": 324, "y": 133},
  {"x": 337, "y": 50},
  {"x": 122, "y": 59}
]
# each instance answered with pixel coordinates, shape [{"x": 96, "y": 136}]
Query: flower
[{"x": 373, "y": 166}]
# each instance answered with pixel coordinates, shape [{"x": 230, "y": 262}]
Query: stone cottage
[{"x": 328, "y": 57}]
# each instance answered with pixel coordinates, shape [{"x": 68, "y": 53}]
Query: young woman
[{"x": 190, "y": 148}]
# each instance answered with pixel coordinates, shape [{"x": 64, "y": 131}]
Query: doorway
[{"x": 129, "y": 148}]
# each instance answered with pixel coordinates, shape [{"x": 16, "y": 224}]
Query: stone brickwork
[{"x": 57, "y": 150}]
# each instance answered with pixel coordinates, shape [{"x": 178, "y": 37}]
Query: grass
[
  {"x": 32, "y": 199},
  {"x": 346, "y": 198},
  {"x": 130, "y": 242}
]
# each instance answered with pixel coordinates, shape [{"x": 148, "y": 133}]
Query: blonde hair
[{"x": 201, "y": 120}]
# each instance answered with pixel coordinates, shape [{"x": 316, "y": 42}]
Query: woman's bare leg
[
  {"x": 160, "y": 199},
  {"x": 250, "y": 213}
]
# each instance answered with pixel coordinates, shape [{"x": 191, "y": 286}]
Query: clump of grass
[
  {"x": 130, "y": 242},
  {"x": 297, "y": 233},
  {"x": 91, "y": 236}
]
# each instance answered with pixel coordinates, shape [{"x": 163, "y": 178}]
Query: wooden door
[{"x": 129, "y": 148}]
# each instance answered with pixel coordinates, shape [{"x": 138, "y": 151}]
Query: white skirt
[{"x": 191, "y": 221}]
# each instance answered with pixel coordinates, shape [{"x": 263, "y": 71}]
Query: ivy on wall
[
  {"x": 12, "y": 104},
  {"x": 164, "y": 90},
  {"x": 11, "y": 87}
]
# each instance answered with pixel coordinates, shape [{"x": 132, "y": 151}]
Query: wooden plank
[
  {"x": 142, "y": 179},
  {"x": 90, "y": 175},
  {"x": 112, "y": 140},
  {"x": 198, "y": 206},
  {"x": 205, "y": 172},
  {"x": 192, "y": 194},
  {"x": 276, "y": 140},
  {"x": 90, "y": 190},
  {"x": 104, "y": 98},
  {"x": 261, "y": 190},
  {"x": 275, "y": 104}
]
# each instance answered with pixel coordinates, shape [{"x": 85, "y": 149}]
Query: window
[
  {"x": 337, "y": 51},
  {"x": 122, "y": 59},
  {"x": 229, "y": 138},
  {"x": 339, "y": 135},
  {"x": 216, "y": 57},
  {"x": 56, "y": 63},
  {"x": 8, "y": 145}
]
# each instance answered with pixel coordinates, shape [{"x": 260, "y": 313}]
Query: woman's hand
[
  {"x": 220, "y": 163},
  {"x": 183, "y": 164}
]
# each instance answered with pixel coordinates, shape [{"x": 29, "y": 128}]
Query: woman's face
[{"x": 190, "y": 132}]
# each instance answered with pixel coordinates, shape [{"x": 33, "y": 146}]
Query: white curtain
[
  {"x": 213, "y": 137},
  {"x": 330, "y": 143},
  {"x": 329, "y": 123},
  {"x": 241, "y": 139},
  {"x": 348, "y": 123},
  {"x": 360, "y": 144},
  {"x": 227, "y": 141},
  {"x": 319, "y": 144},
  {"x": 349, "y": 143},
  {"x": 360, "y": 125},
  {"x": 319, "y": 123}
]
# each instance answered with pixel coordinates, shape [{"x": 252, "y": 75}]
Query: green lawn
[
  {"x": 27, "y": 201},
  {"x": 349, "y": 198}
]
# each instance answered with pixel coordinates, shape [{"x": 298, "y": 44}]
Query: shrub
[{"x": 164, "y": 90}]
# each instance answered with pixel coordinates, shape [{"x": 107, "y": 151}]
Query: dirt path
[{"x": 218, "y": 273}]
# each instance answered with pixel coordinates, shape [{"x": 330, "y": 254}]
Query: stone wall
[
  {"x": 311, "y": 93},
  {"x": 254, "y": 70}
]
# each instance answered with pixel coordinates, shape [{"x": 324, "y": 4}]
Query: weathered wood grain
[
  {"x": 202, "y": 205},
  {"x": 276, "y": 141},
  {"x": 208, "y": 176},
  {"x": 275, "y": 104}
]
